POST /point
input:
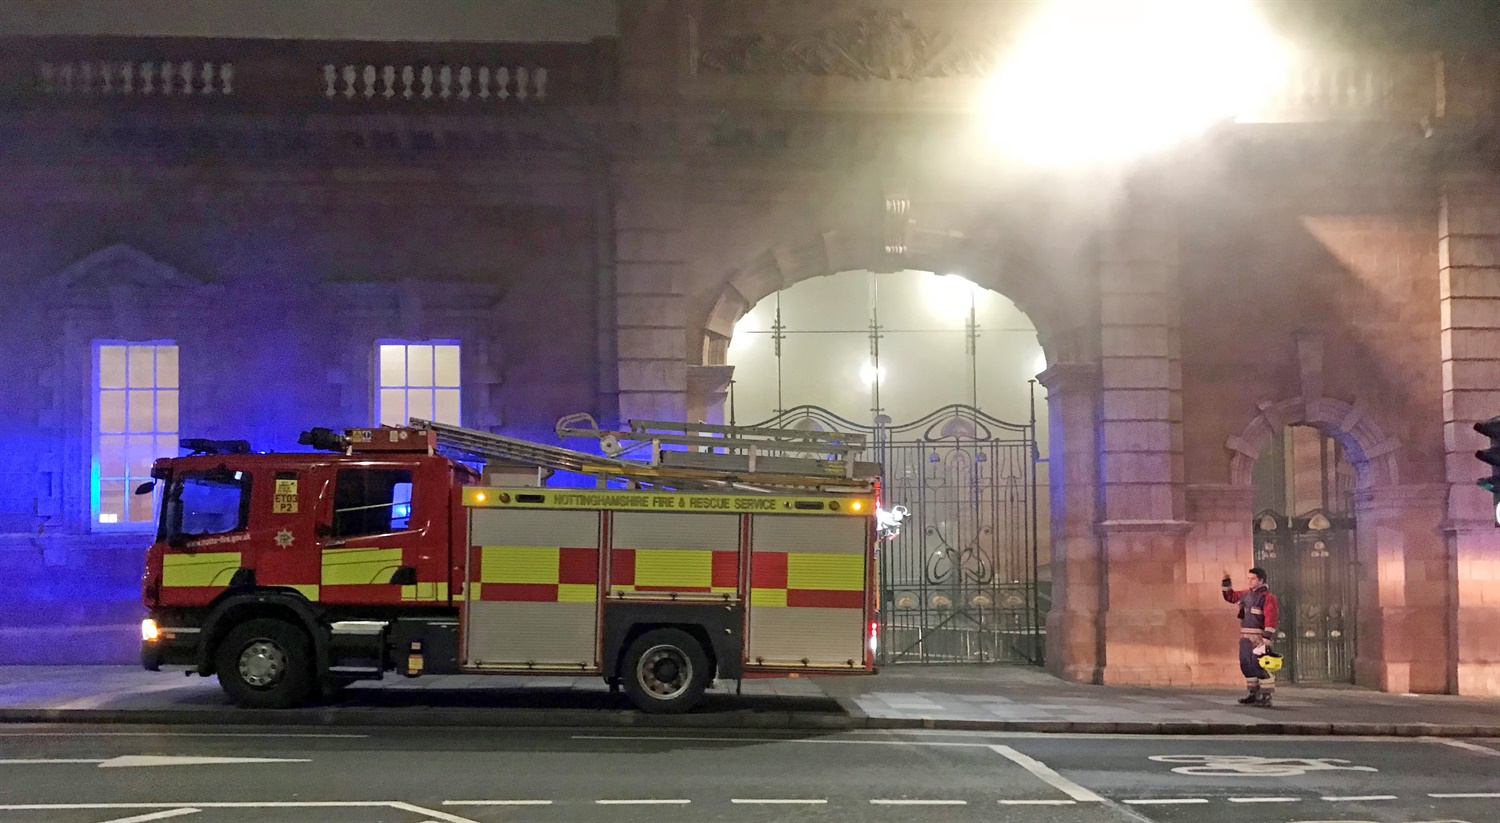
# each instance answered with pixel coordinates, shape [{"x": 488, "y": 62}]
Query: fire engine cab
[{"x": 728, "y": 553}]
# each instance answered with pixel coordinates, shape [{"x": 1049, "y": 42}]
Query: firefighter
[{"x": 1258, "y": 613}]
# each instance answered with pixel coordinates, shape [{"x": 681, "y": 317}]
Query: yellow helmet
[{"x": 1270, "y": 661}]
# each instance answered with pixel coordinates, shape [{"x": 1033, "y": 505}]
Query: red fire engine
[{"x": 731, "y": 553}]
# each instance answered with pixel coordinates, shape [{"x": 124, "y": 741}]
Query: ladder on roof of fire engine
[{"x": 707, "y": 457}]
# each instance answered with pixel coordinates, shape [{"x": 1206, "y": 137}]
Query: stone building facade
[{"x": 589, "y": 220}]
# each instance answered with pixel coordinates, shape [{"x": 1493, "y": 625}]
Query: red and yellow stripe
[
  {"x": 698, "y": 571},
  {"x": 807, "y": 580},
  {"x": 536, "y": 574}
]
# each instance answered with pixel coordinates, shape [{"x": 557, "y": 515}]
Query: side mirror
[{"x": 146, "y": 488}]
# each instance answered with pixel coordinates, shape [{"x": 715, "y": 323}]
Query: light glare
[
  {"x": 869, "y": 374},
  {"x": 950, "y": 296},
  {"x": 1095, "y": 81}
]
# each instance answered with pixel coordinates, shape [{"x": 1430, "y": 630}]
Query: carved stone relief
[{"x": 878, "y": 44}]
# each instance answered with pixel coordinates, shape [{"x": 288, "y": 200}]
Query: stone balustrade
[
  {"x": 459, "y": 84},
  {"x": 251, "y": 76},
  {"x": 127, "y": 78}
]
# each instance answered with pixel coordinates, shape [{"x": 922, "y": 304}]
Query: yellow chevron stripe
[
  {"x": 203, "y": 569},
  {"x": 357, "y": 567},
  {"x": 825, "y": 572},
  {"x": 762, "y": 598},
  {"x": 426, "y": 592},
  {"x": 577, "y": 593},
  {"x": 689, "y": 568},
  {"x": 518, "y": 564}
]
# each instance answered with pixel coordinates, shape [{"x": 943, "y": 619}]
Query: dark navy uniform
[{"x": 1258, "y": 615}]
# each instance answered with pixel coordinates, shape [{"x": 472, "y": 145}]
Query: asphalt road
[{"x": 71, "y": 774}]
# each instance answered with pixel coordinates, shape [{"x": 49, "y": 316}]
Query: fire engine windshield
[{"x": 206, "y": 503}]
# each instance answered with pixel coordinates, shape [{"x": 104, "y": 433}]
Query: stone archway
[
  {"x": 1400, "y": 566},
  {"x": 1011, "y": 273},
  {"x": 1371, "y": 451}
]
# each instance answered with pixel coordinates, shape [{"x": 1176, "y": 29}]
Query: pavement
[
  {"x": 980, "y": 698},
  {"x": 290, "y": 774}
]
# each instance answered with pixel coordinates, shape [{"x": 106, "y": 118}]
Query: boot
[
  {"x": 1250, "y": 699},
  {"x": 1263, "y": 700}
]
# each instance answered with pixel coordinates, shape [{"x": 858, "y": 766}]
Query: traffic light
[{"x": 1491, "y": 456}]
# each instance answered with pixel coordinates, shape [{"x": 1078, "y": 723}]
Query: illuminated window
[
  {"x": 417, "y": 380},
  {"x": 135, "y": 422}
]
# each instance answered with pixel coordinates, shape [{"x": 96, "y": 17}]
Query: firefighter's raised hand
[{"x": 1227, "y": 581}]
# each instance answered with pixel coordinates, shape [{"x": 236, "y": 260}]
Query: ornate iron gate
[
  {"x": 1305, "y": 540},
  {"x": 1310, "y": 561},
  {"x": 959, "y": 583}
]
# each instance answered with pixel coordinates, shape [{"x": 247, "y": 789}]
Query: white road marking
[
  {"x": 1166, "y": 801},
  {"x": 688, "y": 739},
  {"x": 1243, "y": 765},
  {"x": 1132, "y": 737},
  {"x": 184, "y": 734},
  {"x": 1465, "y": 795},
  {"x": 131, "y": 761},
  {"x": 1038, "y": 802},
  {"x": 1465, "y": 745},
  {"x": 1046, "y": 773},
  {"x": 1360, "y": 798},
  {"x": 919, "y": 802},
  {"x": 497, "y": 802},
  {"x": 269, "y": 804},
  {"x": 777, "y": 802},
  {"x": 674, "y": 802},
  {"x": 1265, "y": 800},
  {"x": 161, "y": 815},
  {"x": 431, "y": 814},
  {"x": 55, "y": 761}
]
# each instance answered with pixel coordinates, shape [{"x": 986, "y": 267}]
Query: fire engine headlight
[{"x": 149, "y": 631}]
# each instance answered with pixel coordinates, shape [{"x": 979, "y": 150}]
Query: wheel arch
[
  {"x": 235, "y": 608},
  {"x": 718, "y": 628}
]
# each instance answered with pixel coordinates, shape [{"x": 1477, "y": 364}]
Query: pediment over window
[{"x": 120, "y": 265}]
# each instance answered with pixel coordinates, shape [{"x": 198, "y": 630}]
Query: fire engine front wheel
[
  {"x": 265, "y": 664},
  {"x": 665, "y": 671}
]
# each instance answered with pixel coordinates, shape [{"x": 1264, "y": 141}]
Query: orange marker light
[
  {"x": 858, "y": 505},
  {"x": 479, "y": 497}
]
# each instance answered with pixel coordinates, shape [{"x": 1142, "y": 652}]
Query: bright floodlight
[
  {"x": 869, "y": 374},
  {"x": 1093, "y": 81},
  {"x": 950, "y": 296}
]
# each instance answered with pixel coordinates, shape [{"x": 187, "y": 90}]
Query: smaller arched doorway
[{"x": 1304, "y": 531}]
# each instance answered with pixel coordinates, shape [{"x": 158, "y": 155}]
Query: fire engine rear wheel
[
  {"x": 665, "y": 671},
  {"x": 266, "y": 664}
]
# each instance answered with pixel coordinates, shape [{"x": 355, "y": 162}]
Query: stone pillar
[
  {"x": 1402, "y": 589},
  {"x": 1221, "y": 539},
  {"x": 1147, "y": 635},
  {"x": 1469, "y": 290},
  {"x": 1074, "y": 642},
  {"x": 707, "y": 391},
  {"x": 650, "y": 310}
]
